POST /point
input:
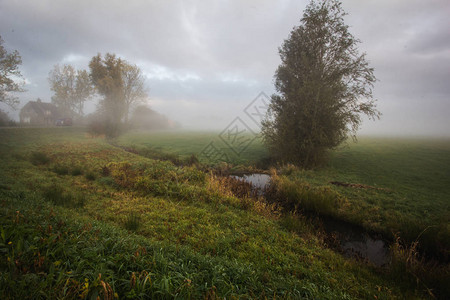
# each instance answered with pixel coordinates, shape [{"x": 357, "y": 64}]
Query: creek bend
[{"x": 350, "y": 240}]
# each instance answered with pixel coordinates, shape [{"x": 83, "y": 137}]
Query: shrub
[
  {"x": 90, "y": 175},
  {"x": 105, "y": 127},
  {"x": 39, "y": 158},
  {"x": 5, "y": 120},
  {"x": 296, "y": 223},
  {"x": 192, "y": 160},
  {"x": 105, "y": 171},
  {"x": 293, "y": 195},
  {"x": 223, "y": 168},
  {"x": 192, "y": 175},
  {"x": 132, "y": 222},
  {"x": 96, "y": 128},
  {"x": 123, "y": 173},
  {"x": 76, "y": 171},
  {"x": 61, "y": 169},
  {"x": 406, "y": 263},
  {"x": 56, "y": 195},
  {"x": 288, "y": 169},
  {"x": 232, "y": 186}
]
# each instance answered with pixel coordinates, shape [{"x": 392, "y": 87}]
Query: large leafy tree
[
  {"x": 71, "y": 87},
  {"x": 324, "y": 85},
  {"x": 120, "y": 83},
  {"x": 10, "y": 76}
]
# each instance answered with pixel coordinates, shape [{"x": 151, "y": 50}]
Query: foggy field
[
  {"x": 98, "y": 220},
  {"x": 407, "y": 179},
  {"x": 186, "y": 143}
]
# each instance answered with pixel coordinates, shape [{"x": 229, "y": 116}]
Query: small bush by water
[
  {"x": 408, "y": 264},
  {"x": 294, "y": 195}
]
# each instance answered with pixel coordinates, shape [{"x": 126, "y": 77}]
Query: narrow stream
[
  {"x": 353, "y": 241},
  {"x": 259, "y": 181}
]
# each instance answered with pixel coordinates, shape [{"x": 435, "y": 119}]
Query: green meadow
[
  {"x": 398, "y": 186},
  {"x": 182, "y": 144},
  {"x": 140, "y": 217}
]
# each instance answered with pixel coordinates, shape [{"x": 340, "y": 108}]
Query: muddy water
[
  {"x": 351, "y": 240},
  {"x": 355, "y": 242}
]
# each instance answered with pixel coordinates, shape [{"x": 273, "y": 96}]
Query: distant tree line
[{"x": 120, "y": 84}]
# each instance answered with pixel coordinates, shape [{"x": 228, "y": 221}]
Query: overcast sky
[{"x": 206, "y": 61}]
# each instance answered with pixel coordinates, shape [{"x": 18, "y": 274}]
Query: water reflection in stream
[
  {"x": 354, "y": 242},
  {"x": 259, "y": 181}
]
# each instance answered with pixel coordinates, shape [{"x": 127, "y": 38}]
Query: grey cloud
[{"x": 209, "y": 57}]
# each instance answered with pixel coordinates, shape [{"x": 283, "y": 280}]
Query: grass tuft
[
  {"x": 76, "y": 171},
  {"x": 61, "y": 169},
  {"x": 90, "y": 175},
  {"x": 107, "y": 181},
  {"x": 39, "y": 158},
  {"x": 409, "y": 265},
  {"x": 133, "y": 222},
  {"x": 58, "y": 196},
  {"x": 293, "y": 195}
]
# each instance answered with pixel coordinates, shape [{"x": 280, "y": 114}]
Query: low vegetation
[
  {"x": 395, "y": 187},
  {"x": 179, "y": 146},
  {"x": 145, "y": 228}
]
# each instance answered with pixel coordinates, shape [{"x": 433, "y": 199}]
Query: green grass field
[
  {"x": 406, "y": 187},
  {"x": 81, "y": 218},
  {"x": 408, "y": 180},
  {"x": 184, "y": 144}
]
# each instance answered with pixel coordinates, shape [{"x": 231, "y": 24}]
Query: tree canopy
[
  {"x": 10, "y": 76},
  {"x": 134, "y": 90},
  {"x": 71, "y": 87},
  {"x": 324, "y": 85},
  {"x": 120, "y": 83}
]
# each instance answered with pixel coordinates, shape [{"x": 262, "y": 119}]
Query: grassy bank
[
  {"x": 81, "y": 218},
  {"x": 395, "y": 186}
]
